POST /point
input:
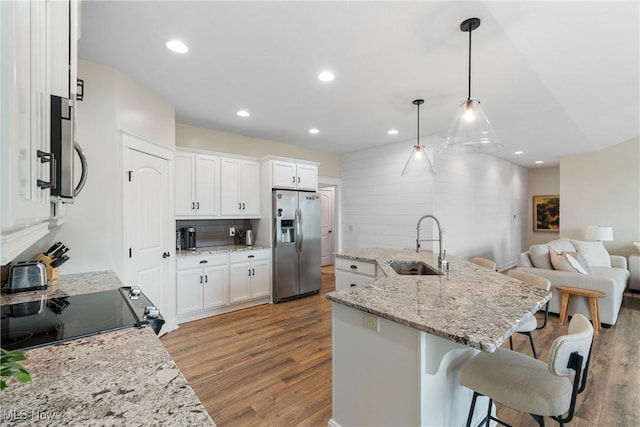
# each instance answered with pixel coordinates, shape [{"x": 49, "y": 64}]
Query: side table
[{"x": 592, "y": 296}]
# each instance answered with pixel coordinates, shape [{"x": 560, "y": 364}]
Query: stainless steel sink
[{"x": 417, "y": 268}]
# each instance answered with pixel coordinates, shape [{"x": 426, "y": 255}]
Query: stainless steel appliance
[
  {"x": 63, "y": 149},
  {"x": 26, "y": 276},
  {"x": 247, "y": 237},
  {"x": 296, "y": 244},
  {"x": 189, "y": 235},
  {"x": 50, "y": 320}
]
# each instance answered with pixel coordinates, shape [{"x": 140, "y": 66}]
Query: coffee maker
[{"x": 189, "y": 237}]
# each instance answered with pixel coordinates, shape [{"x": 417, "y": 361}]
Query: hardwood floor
[{"x": 271, "y": 365}]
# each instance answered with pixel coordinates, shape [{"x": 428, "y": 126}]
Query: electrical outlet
[
  {"x": 232, "y": 232},
  {"x": 371, "y": 322}
]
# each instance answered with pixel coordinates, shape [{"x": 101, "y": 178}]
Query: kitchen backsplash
[{"x": 215, "y": 232}]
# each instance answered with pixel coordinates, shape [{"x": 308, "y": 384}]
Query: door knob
[{"x": 166, "y": 255}]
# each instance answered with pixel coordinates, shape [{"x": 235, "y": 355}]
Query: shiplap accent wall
[{"x": 480, "y": 200}]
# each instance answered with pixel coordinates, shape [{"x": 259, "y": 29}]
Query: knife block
[{"x": 52, "y": 273}]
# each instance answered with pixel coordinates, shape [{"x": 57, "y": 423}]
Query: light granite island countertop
[
  {"x": 120, "y": 378},
  {"x": 399, "y": 341}
]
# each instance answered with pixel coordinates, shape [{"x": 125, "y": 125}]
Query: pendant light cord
[
  {"x": 469, "y": 97},
  {"x": 418, "y": 125}
]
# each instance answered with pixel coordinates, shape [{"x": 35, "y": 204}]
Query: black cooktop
[{"x": 47, "y": 321}]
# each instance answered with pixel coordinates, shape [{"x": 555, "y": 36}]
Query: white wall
[
  {"x": 480, "y": 201},
  {"x": 93, "y": 227},
  {"x": 602, "y": 188},
  {"x": 542, "y": 181}
]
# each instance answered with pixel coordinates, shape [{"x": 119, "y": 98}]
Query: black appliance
[
  {"x": 189, "y": 235},
  {"x": 49, "y": 321},
  {"x": 63, "y": 148}
]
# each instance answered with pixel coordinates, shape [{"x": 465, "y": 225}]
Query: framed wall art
[{"x": 546, "y": 213}]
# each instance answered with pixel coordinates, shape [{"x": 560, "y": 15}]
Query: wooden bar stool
[{"x": 592, "y": 296}]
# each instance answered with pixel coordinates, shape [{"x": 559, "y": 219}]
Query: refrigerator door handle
[
  {"x": 301, "y": 236},
  {"x": 297, "y": 230}
]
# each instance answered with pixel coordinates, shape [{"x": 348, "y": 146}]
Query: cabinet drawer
[
  {"x": 361, "y": 267},
  {"x": 251, "y": 255},
  {"x": 345, "y": 279},
  {"x": 192, "y": 261}
]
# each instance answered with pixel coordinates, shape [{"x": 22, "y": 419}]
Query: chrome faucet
[{"x": 418, "y": 240}]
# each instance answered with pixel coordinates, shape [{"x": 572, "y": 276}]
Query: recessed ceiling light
[
  {"x": 539, "y": 162},
  {"x": 314, "y": 131},
  {"x": 326, "y": 76},
  {"x": 518, "y": 152},
  {"x": 177, "y": 46},
  {"x": 392, "y": 131},
  {"x": 243, "y": 113}
]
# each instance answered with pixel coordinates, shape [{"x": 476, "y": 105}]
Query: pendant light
[
  {"x": 470, "y": 131},
  {"x": 418, "y": 161}
]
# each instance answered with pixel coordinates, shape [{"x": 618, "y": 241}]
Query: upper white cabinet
[
  {"x": 295, "y": 176},
  {"x": 197, "y": 185},
  {"x": 240, "y": 187},
  {"x": 24, "y": 125},
  {"x": 63, "y": 34}
]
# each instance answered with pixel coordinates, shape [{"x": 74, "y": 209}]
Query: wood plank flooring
[{"x": 271, "y": 365}]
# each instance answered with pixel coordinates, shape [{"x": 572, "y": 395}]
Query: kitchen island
[
  {"x": 399, "y": 341},
  {"x": 119, "y": 378}
]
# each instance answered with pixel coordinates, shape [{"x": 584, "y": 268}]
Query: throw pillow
[
  {"x": 637, "y": 245},
  {"x": 562, "y": 262},
  {"x": 539, "y": 255},
  {"x": 594, "y": 252},
  {"x": 583, "y": 262}
]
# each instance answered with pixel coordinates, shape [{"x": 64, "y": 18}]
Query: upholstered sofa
[
  {"x": 579, "y": 264},
  {"x": 634, "y": 269}
]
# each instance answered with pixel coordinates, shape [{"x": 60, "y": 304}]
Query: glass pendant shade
[
  {"x": 418, "y": 162},
  {"x": 470, "y": 131}
]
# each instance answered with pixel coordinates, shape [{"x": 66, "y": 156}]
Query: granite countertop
[
  {"x": 67, "y": 285},
  {"x": 470, "y": 305},
  {"x": 120, "y": 378},
  {"x": 213, "y": 250}
]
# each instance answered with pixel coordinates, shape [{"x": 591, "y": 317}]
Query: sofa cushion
[
  {"x": 594, "y": 252},
  {"x": 565, "y": 261},
  {"x": 539, "y": 255},
  {"x": 562, "y": 245},
  {"x": 637, "y": 245}
]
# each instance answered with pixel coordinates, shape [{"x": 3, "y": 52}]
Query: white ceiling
[{"x": 555, "y": 78}]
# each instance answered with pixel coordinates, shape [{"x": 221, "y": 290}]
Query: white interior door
[
  {"x": 326, "y": 225},
  {"x": 146, "y": 215}
]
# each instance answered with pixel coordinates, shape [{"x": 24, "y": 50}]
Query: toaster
[{"x": 27, "y": 276}]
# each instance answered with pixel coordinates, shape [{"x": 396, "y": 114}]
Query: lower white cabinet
[
  {"x": 352, "y": 273},
  {"x": 250, "y": 273},
  {"x": 203, "y": 282},
  {"x": 214, "y": 284}
]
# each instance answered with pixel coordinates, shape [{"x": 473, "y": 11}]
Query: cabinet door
[
  {"x": 307, "y": 177},
  {"x": 260, "y": 278},
  {"x": 216, "y": 286},
  {"x": 207, "y": 184},
  {"x": 283, "y": 175},
  {"x": 230, "y": 171},
  {"x": 189, "y": 290},
  {"x": 239, "y": 282},
  {"x": 184, "y": 173},
  {"x": 250, "y": 194}
]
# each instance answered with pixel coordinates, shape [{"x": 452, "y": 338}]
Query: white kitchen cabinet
[
  {"x": 197, "y": 185},
  {"x": 250, "y": 275},
  {"x": 295, "y": 176},
  {"x": 202, "y": 284},
  {"x": 353, "y": 273},
  {"x": 62, "y": 29},
  {"x": 239, "y": 187},
  {"x": 24, "y": 126}
]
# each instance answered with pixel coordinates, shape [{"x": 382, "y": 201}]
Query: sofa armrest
[
  {"x": 618, "y": 261},
  {"x": 524, "y": 260}
]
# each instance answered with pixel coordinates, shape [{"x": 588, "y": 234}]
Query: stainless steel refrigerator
[{"x": 296, "y": 245}]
